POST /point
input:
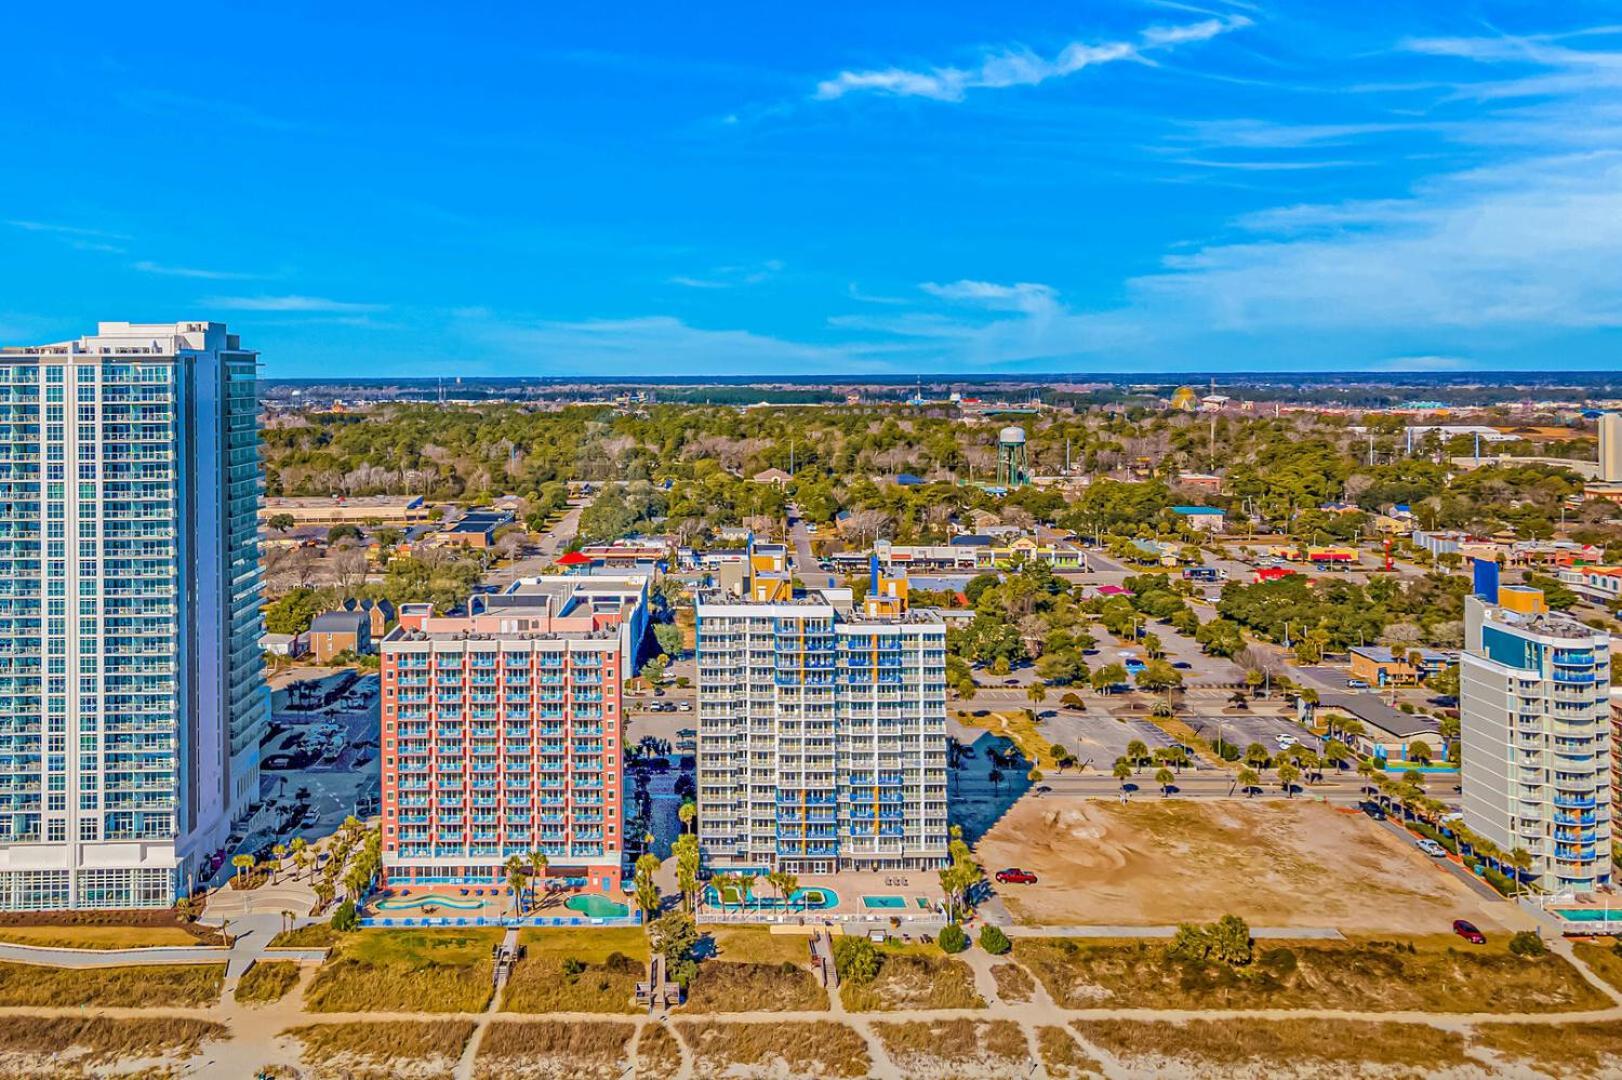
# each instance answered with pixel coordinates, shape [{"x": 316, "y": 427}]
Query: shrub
[
  {"x": 346, "y": 920},
  {"x": 856, "y": 959},
  {"x": 1527, "y": 943},
  {"x": 572, "y": 967},
  {"x": 1227, "y": 940},
  {"x": 953, "y": 939},
  {"x": 994, "y": 941}
]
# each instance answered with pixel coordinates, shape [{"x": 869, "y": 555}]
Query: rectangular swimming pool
[
  {"x": 884, "y": 903},
  {"x": 1604, "y": 915}
]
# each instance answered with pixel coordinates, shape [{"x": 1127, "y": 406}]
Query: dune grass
[
  {"x": 1063, "y": 1056},
  {"x": 982, "y": 1047},
  {"x": 111, "y": 987},
  {"x": 586, "y": 1051},
  {"x": 1014, "y": 983},
  {"x": 267, "y": 981},
  {"x": 1590, "y": 1051},
  {"x": 913, "y": 977},
  {"x": 1432, "y": 974},
  {"x": 104, "y": 1039},
  {"x": 406, "y": 971},
  {"x": 658, "y": 1054},
  {"x": 384, "y": 1041},
  {"x": 608, "y": 963},
  {"x": 1603, "y": 960},
  {"x": 812, "y": 1049},
  {"x": 754, "y": 969},
  {"x": 1344, "y": 1046}
]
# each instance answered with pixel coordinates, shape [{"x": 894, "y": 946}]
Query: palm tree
[
  {"x": 1521, "y": 860},
  {"x": 1256, "y": 756},
  {"x": 1368, "y": 770},
  {"x": 301, "y": 858},
  {"x": 280, "y": 852},
  {"x": 1136, "y": 751},
  {"x": 1249, "y": 781},
  {"x": 538, "y": 863},
  {"x": 242, "y": 863},
  {"x": 515, "y": 881},
  {"x": 1288, "y": 774},
  {"x": 687, "y": 813},
  {"x": 1122, "y": 770},
  {"x": 996, "y": 778},
  {"x": 1037, "y": 692},
  {"x": 1164, "y": 777}
]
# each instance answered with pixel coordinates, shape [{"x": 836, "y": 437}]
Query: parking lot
[
  {"x": 318, "y": 766},
  {"x": 1242, "y": 729}
]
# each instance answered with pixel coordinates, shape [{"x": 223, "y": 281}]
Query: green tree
[
  {"x": 675, "y": 937},
  {"x": 1165, "y": 779},
  {"x": 647, "y": 891},
  {"x": 685, "y": 850},
  {"x": 1288, "y": 775},
  {"x": 1122, "y": 769},
  {"x": 1158, "y": 676},
  {"x": 1249, "y": 781},
  {"x": 952, "y": 939},
  {"x": 669, "y": 637},
  {"x": 346, "y": 919},
  {"x": 994, "y": 941},
  {"x": 280, "y": 522},
  {"x": 1037, "y": 692},
  {"x": 687, "y": 813}
]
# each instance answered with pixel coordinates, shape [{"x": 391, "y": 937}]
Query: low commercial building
[
  {"x": 345, "y": 510},
  {"x": 335, "y": 632},
  {"x": 1380, "y": 666},
  {"x": 1389, "y": 735},
  {"x": 476, "y": 528},
  {"x": 1602, "y": 583},
  {"x": 1204, "y": 518}
]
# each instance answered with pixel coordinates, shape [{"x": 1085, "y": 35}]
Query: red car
[
  {"x": 1467, "y": 930},
  {"x": 1015, "y": 876}
]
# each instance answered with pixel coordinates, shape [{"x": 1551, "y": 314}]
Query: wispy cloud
[
  {"x": 146, "y": 266},
  {"x": 77, "y": 237},
  {"x": 1267, "y": 166},
  {"x": 1019, "y": 65},
  {"x": 1029, "y": 297},
  {"x": 730, "y": 277},
  {"x": 290, "y": 303}
]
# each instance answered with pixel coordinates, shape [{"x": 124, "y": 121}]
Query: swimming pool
[
  {"x": 810, "y": 899},
  {"x": 1604, "y": 915},
  {"x": 887, "y": 903},
  {"x": 596, "y": 906},
  {"x": 411, "y": 903}
]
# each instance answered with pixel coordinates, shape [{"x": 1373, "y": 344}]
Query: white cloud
[
  {"x": 1026, "y": 296},
  {"x": 1018, "y": 66},
  {"x": 289, "y": 303},
  {"x": 730, "y": 277},
  {"x": 1268, "y": 166},
  {"x": 146, "y": 266}
]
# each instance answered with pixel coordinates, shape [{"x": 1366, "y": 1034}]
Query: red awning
[{"x": 573, "y": 558}]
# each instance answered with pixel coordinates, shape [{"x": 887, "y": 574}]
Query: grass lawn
[
  {"x": 913, "y": 977},
  {"x": 987, "y": 1048},
  {"x": 406, "y": 971},
  {"x": 114, "y": 987},
  {"x": 1063, "y": 1056},
  {"x": 813, "y": 1050},
  {"x": 1014, "y": 983},
  {"x": 103, "y": 1039},
  {"x": 1433, "y": 974},
  {"x": 1565, "y": 1050},
  {"x": 613, "y": 959},
  {"x": 314, "y": 936},
  {"x": 267, "y": 981},
  {"x": 754, "y": 968},
  {"x": 1251, "y": 1047},
  {"x": 589, "y": 1051},
  {"x": 657, "y": 1053},
  {"x": 384, "y": 1042},
  {"x": 1015, "y": 726},
  {"x": 97, "y": 937}
]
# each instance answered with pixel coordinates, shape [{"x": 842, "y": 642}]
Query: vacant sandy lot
[{"x": 1274, "y": 863}]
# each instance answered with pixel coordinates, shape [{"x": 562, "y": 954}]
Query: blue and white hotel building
[
  {"x": 132, "y": 695},
  {"x": 1535, "y": 736}
]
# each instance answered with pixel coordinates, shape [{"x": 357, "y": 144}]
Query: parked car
[
  {"x": 1431, "y": 848},
  {"x": 1357, "y": 684},
  {"x": 1285, "y": 740},
  {"x": 1467, "y": 930},
  {"x": 1372, "y": 809},
  {"x": 684, "y": 706},
  {"x": 1181, "y": 665},
  {"x": 1015, "y": 876}
]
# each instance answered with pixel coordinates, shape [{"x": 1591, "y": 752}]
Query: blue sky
[{"x": 408, "y": 189}]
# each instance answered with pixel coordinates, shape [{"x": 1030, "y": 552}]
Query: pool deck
[
  {"x": 494, "y": 906},
  {"x": 850, "y": 888}
]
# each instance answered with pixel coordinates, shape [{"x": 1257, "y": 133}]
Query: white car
[
  {"x": 1284, "y": 740},
  {"x": 1431, "y": 848}
]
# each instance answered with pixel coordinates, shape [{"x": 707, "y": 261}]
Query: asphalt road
[{"x": 802, "y": 562}]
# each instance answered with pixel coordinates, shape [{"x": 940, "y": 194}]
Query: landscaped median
[{"x": 1428, "y": 974}]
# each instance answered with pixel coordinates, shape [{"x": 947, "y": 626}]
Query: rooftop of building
[
  {"x": 1555, "y": 624},
  {"x": 339, "y": 622},
  {"x": 401, "y": 634}
]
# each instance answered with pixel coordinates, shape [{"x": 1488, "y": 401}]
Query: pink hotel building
[{"x": 503, "y": 733}]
